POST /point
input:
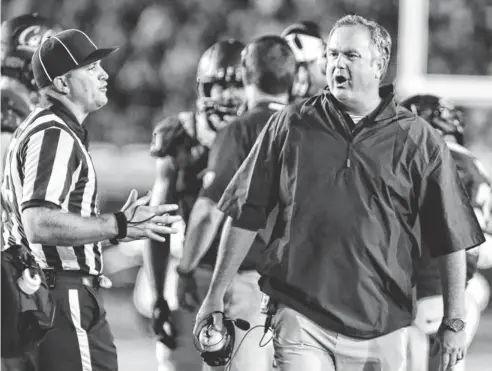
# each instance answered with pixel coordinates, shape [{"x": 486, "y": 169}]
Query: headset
[{"x": 219, "y": 352}]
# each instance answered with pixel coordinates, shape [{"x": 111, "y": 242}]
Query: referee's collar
[{"x": 59, "y": 109}]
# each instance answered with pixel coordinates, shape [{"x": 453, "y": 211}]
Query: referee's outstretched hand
[{"x": 146, "y": 221}]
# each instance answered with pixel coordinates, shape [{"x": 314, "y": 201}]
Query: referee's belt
[{"x": 74, "y": 279}]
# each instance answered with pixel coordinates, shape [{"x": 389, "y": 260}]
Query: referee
[{"x": 51, "y": 187}]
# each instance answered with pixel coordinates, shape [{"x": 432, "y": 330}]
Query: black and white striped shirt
[{"x": 48, "y": 164}]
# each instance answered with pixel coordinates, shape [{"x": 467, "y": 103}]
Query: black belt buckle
[{"x": 50, "y": 277}]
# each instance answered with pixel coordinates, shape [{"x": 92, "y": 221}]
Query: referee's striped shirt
[{"x": 47, "y": 164}]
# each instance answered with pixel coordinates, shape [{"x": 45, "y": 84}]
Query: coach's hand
[
  {"x": 187, "y": 291},
  {"x": 146, "y": 221},
  {"x": 211, "y": 306},
  {"x": 453, "y": 345}
]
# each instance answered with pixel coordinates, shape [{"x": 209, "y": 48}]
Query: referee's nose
[{"x": 103, "y": 75}]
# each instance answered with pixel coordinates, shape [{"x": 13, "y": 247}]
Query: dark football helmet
[
  {"x": 21, "y": 36},
  {"x": 220, "y": 64},
  {"x": 306, "y": 41},
  {"x": 442, "y": 115}
]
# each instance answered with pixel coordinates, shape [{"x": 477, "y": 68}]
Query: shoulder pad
[
  {"x": 14, "y": 110},
  {"x": 169, "y": 135}
]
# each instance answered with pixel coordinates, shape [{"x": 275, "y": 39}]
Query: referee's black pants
[{"x": 81, "y": 339}]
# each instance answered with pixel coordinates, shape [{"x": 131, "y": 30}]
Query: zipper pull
[{"x": 348, "y": 163}]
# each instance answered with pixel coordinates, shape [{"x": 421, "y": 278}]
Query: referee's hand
[{"x": 146, "y": 221}]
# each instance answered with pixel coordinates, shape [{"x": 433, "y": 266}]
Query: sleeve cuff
[
  {"x": 249, "y": 219},
  {"x": 475, "y": 241},
  {"x": 211, "y": 194},
  {"x": 39, "y": 203}
]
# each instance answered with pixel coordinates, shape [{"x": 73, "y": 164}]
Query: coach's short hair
[
  {"x": 269, "y": 63},
  {"x": 380, "y": 37}
]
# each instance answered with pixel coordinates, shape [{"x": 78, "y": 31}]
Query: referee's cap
[{"x": 63, "y": 52}]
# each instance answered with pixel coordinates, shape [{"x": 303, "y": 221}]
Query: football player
[
  {"x": 21, "y": 36},
  {"x": 306, "y": 41},
  {"x": 180, "y": 145},
  {"x": 445, "y": 118}
]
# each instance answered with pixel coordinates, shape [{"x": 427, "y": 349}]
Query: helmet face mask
[
  {"x": 221, "y": 97},
  {"x": 443, "y": 116},
  {"x": 21, "y": 36},
  {"x": 220, "y": 86}
]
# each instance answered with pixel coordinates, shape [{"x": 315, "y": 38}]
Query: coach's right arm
[
  {"x": 247, "y": 202},
  {"x": 48, "y": 168}
]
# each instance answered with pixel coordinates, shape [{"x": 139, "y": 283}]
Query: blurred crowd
[{"x": 154, "y": 72}]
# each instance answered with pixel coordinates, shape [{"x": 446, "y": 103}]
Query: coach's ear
[{"x": 380, "y": 68}]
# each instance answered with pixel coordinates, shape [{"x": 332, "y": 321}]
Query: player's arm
[
  {"x": 205, "y": 218},
  {"x": 203, "y": 226},
  {"x": 157, "y": 252},
  {"x": 44, "y": 192}
]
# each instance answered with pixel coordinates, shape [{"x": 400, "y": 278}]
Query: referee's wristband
[{"x": 121, "y": 223}]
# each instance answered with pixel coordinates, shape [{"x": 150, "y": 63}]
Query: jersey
[
  {"x": 230, "y": 149},
  {"x": 48, "y": 165},
  {"x": 176, "y": 137},
  {"x": 478, "y": 186},
  {"x": 179, "y": 138}
]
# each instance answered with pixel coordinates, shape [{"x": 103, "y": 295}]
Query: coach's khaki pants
[{"x": 300, "y": 344}]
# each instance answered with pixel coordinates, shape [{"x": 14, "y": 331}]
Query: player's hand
[
  {"x": 211, "y": 306},
  {"x": 144, "y": 221},
  {"x": 453, "y": 347},
  {"x": 162, "y": 324},
  {"x": 205, "y": 133},
  {"x": 220, "y": 123},
  {"x": 188, "y": 292}
]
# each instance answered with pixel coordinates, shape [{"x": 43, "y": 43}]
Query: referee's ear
[{"x": 61, "y": 85}]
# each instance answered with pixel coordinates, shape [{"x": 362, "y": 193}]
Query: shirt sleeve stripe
[
  {"x": 47, "y": 156},
  {"x": 46, "y": 165},
  {"x": 30, "y": 165},
  {"x": 62, "y": 170}
]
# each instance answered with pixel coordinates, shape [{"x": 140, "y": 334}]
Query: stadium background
[{"x": 153, "y": 75}]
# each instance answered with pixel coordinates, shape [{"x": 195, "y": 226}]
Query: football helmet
[
  {"x": 21, "y": 36},
  {"x": 220, "y": 64},
  {"x": 442, "y": 115},
  {"x": 305, "y": 40}
]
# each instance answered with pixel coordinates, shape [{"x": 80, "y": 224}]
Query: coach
[
  {"x": 51, "y": 187},
  {"x": 358, "y": 181}
]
